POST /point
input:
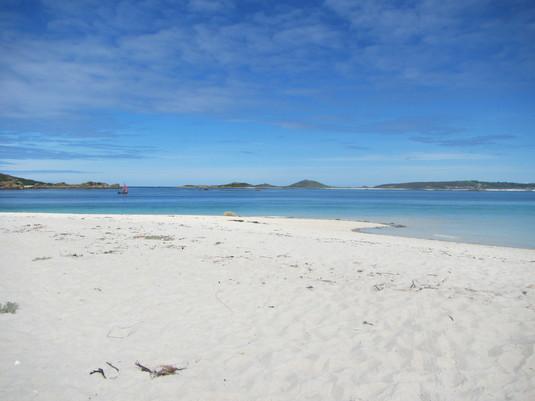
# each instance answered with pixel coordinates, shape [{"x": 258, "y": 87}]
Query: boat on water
[{"x": 123, "y": 191}]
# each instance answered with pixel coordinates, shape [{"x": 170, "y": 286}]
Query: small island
[
  {"x": 11, "y": 182},
  {"x": 304, "y": 184}
]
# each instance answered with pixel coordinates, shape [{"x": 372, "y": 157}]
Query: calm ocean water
[{"x": 494, "y": 218}]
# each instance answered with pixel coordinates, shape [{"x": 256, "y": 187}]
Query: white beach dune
[{"x": 258, "y": 309}]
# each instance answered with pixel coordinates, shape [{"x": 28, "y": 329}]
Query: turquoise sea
[{"x": 493, "y": 218}]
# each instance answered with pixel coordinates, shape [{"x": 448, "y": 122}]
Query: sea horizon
[{"x": 500, "y": 218}]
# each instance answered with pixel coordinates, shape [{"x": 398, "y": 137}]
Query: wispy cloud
[
  {"x": 300, "y": 123},
  {"x": 432, "y": 126},
  {"x": 386, "y": 158},
  {"x": 211, "y": 6},
  {"x": 163, "y": 56},
  {"x": 49, "y": 172},
  {"x": 11, "y": 152},
  {"x": 78, "y": 125},
  {"x": 446, "y": 156},
  {"x": 177, "y": 65},
  {"x": 480, "y": 140},
  {"x": 354, "y": 146},
  {"x": 419, "y": 42},
  {"x": 426, "y": 125}
]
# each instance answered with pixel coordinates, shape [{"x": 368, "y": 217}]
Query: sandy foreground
[{"x": 258, "y": 309}]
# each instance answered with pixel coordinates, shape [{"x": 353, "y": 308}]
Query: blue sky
[{"x": 173, "y": 92}]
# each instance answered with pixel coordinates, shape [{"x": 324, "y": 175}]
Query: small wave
[{"x": 445, "y": 236}]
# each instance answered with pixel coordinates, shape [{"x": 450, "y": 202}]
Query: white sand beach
[{"x": 258, "y": 309}]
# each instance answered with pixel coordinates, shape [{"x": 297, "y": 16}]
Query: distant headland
[
  {"x": 460, "y": 186},
  {"x": 11, "y": 182}
]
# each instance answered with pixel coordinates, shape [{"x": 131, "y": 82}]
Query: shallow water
[{"x": 494, "y": 218}]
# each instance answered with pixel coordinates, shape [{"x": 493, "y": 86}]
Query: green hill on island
[
  {"x": 11, "y": 182},
  {"x": 458, "y": 185},
  {"x": 308, "y": 184},
  {"x": 232, "y": 185},
  {"x": 237, "y": 185},
  {"x": 304, "y": 184}
]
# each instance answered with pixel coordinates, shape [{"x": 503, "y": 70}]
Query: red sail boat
[{"x": 124, "y": 191}]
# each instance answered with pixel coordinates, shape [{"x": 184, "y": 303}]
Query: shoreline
[
  {"x": 374, "y": 227},
  {"x": 258, "y": 308}
]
